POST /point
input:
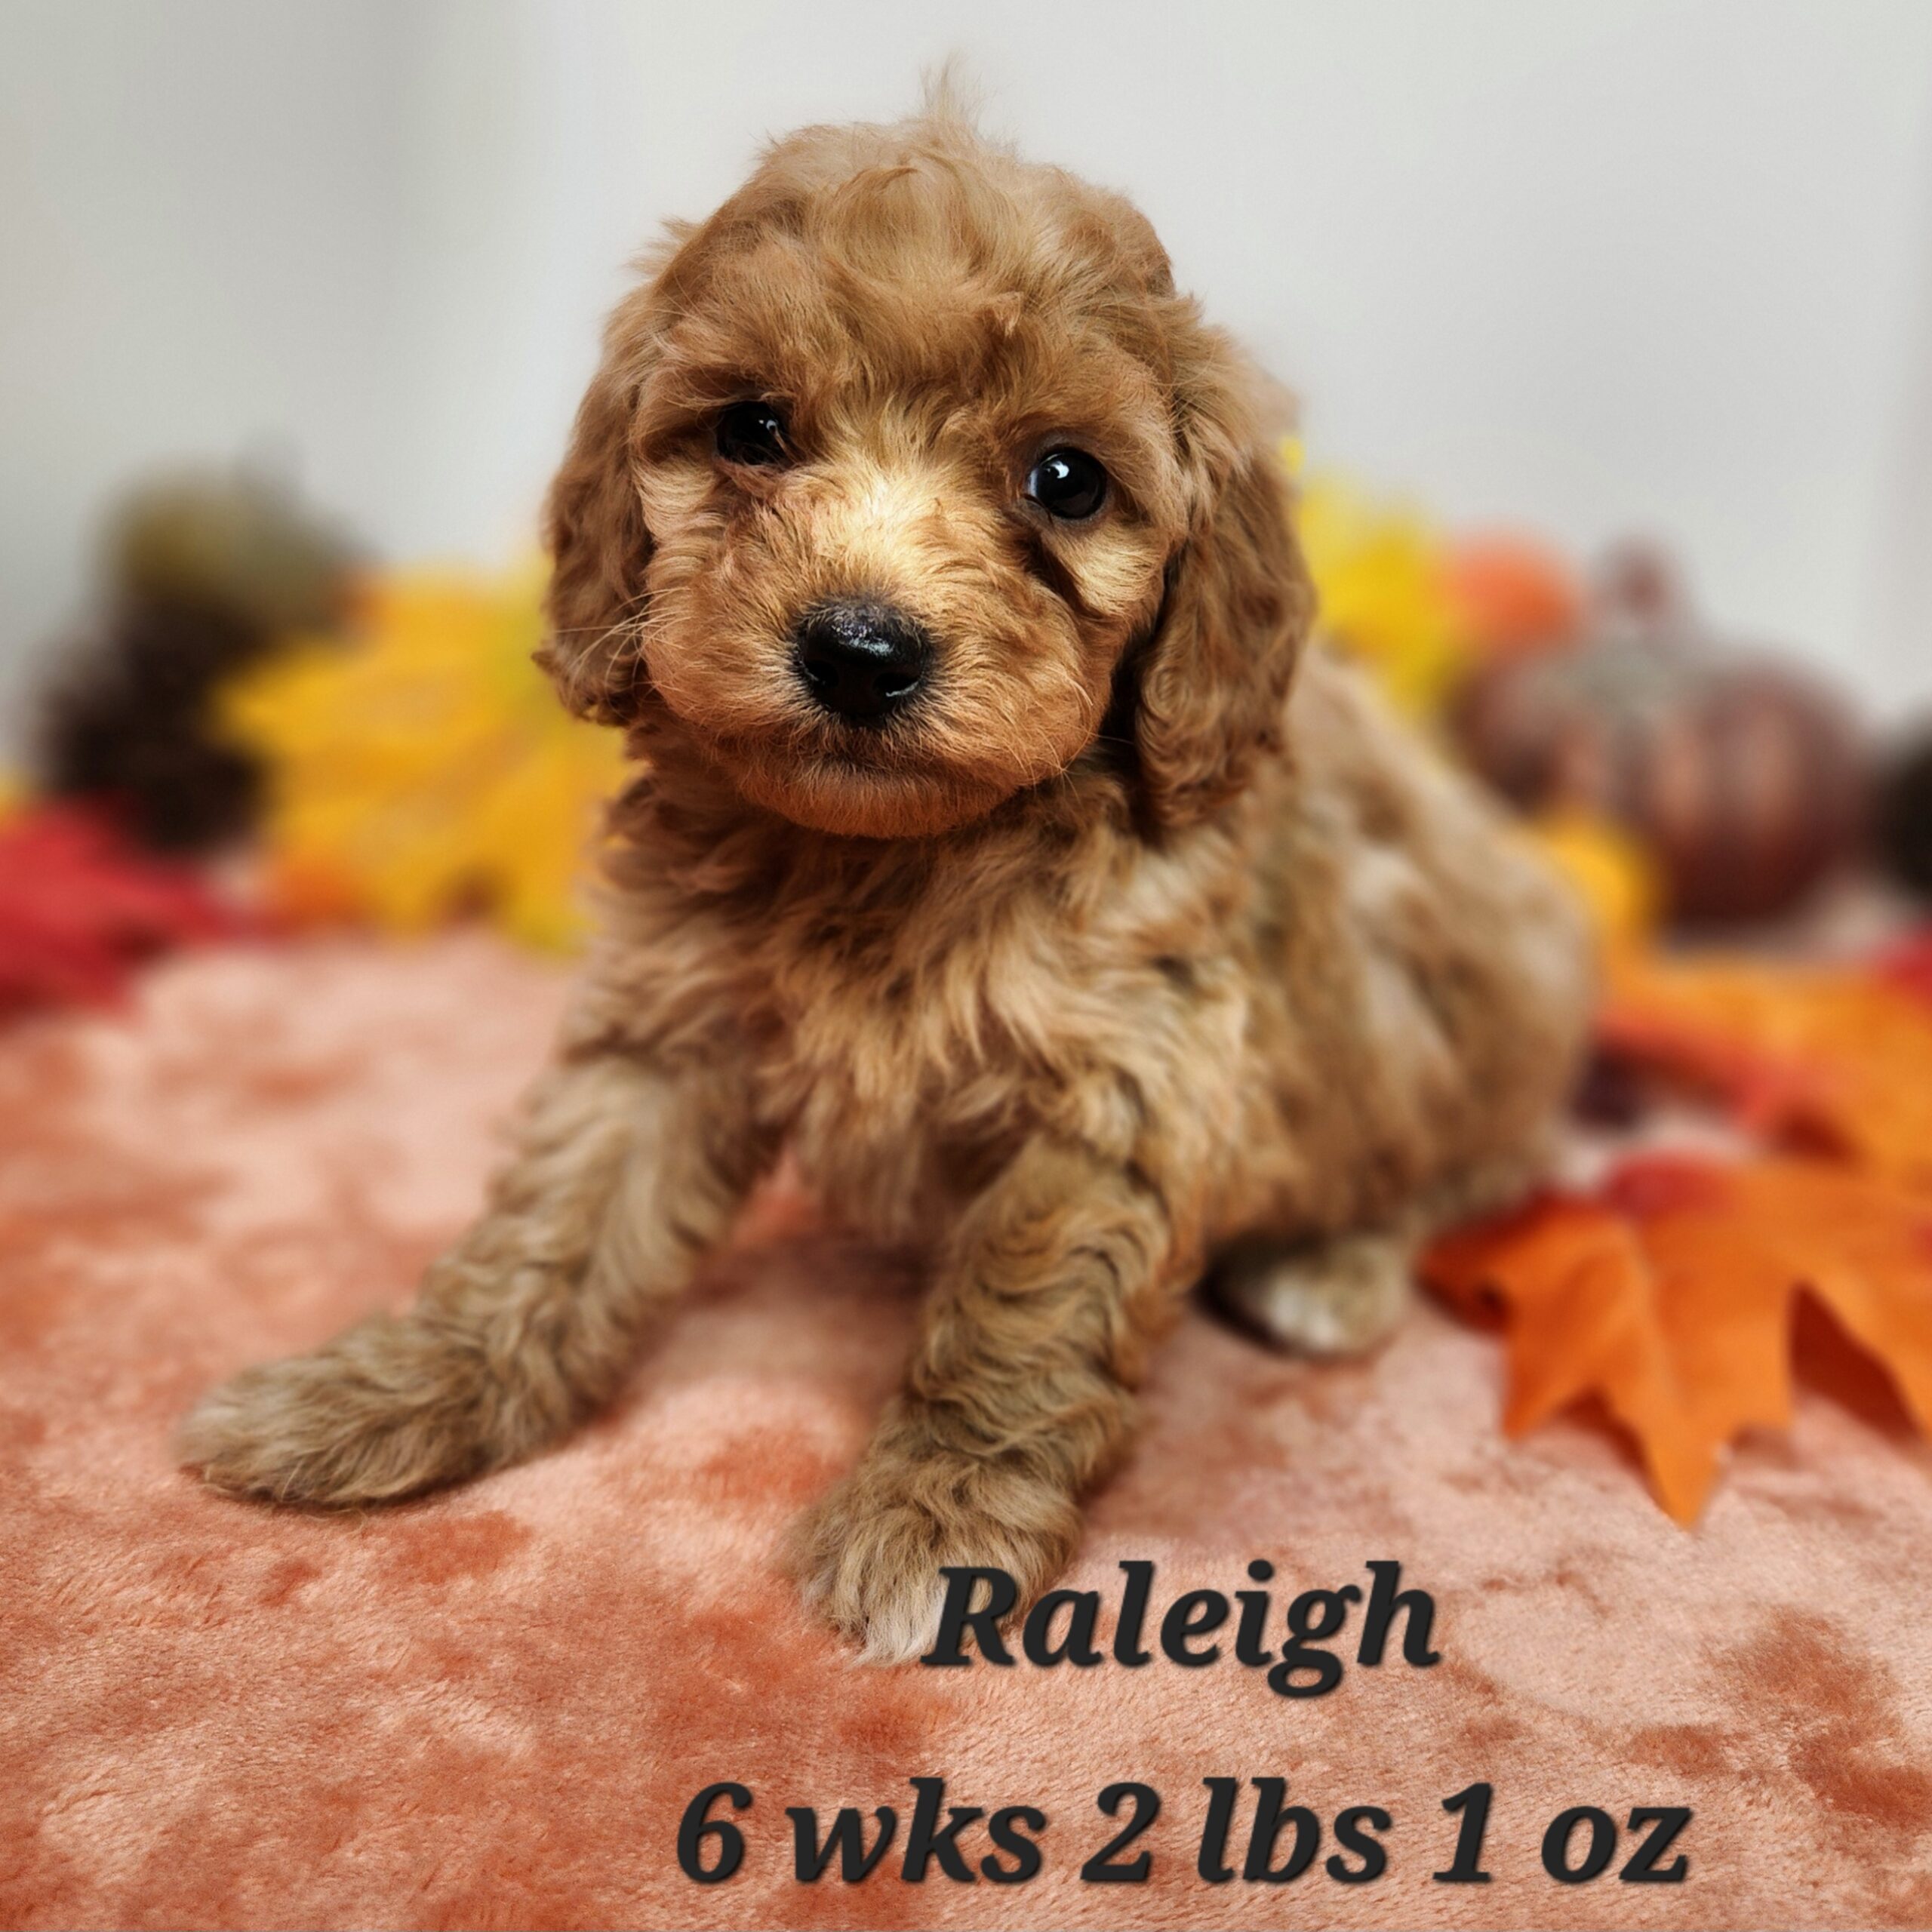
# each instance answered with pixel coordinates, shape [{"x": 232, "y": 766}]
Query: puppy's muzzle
[{"x": 861, "y": 660}]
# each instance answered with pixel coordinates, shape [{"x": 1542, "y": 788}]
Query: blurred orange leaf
[
  {"x": 80, "y": 906},
  {"x": 1835, "y": 1055},
  {"x": 1908, "y": 965},
  {"x": 1668, "y": 1294},
  {"x": 421, "y": 767}
]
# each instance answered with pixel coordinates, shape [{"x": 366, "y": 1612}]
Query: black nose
[{"x": 861, "y": 660}]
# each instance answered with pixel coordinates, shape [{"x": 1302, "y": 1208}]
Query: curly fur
[{"x": 1113, "y": 956}]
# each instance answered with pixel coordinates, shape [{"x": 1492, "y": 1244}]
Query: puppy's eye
[
  {"x": 1068, "y": 484},
  {"x": 753, "y": 433}
]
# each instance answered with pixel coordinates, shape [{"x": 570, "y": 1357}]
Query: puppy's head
[{"x": 897, "y": 469}]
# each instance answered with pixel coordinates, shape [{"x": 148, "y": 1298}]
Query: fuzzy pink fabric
[{"x": 489, "y": 1708}]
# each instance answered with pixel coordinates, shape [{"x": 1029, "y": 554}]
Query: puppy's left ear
[
  {"x": 598, "y": 545},
  {"x": 1214, "y": 679}
]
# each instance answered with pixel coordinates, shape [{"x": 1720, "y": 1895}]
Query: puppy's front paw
[
  {"x": 869, "y": 1556},
  {"x": 374, "y": 1416}
]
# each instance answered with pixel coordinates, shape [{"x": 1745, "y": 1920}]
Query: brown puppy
[{"x": 934, "y": 554}]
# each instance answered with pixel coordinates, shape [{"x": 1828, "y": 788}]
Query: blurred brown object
[
  {"x": 1905, "y": 814},
  {"x": 204, "y": 574},
  {"x": 1746, "y": 779}
]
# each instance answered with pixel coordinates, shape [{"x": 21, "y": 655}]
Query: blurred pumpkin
[
  {"x": 1512, "y": 596},
  {"x": 1745, "y": 779}
]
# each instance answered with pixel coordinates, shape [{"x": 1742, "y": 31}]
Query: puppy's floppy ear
[
  {"x": 1213, "y": 677},
  {"x": 595, "y": 530}
]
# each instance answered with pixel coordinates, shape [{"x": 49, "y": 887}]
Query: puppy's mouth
[
  {"x": 857, "y": 785},
  {"x": 852, "y": 738}
]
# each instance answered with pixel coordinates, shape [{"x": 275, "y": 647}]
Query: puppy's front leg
[
  {"x": 625, "y": 1173},
  {"x": 1017, "y": 1399}
]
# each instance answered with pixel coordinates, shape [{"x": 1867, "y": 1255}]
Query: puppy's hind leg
[
  {"x": 1343, "y": 1294},
  {"x": 1331, "y": 1296},
  {"x": 624, "y": 1174}
]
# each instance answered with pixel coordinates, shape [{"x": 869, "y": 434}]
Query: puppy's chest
[
  {"x": 870, "y": 1037},
  {"x": 904, "y": 1064}
]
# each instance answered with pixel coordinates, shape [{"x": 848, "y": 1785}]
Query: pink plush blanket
[{"x": 491, "y": 1708}]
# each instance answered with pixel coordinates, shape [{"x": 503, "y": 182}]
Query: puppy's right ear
[
  {"x": 1239, "y": 600},
  {"x": 599, "y": 547}
]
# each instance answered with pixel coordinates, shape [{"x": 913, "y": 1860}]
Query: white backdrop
[{"x": 1599, "y": 268}]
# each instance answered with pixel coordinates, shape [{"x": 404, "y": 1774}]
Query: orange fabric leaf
[
  {"x": 1668, "y": 1295},
  {"x": 1830, "y": 1055},
  {"x": 1908, "y": 965}
]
